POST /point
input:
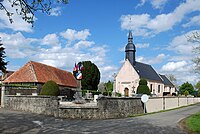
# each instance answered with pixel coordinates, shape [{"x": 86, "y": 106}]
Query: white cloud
[
  {"x": 181, "y": 45},
  {"x": 140, "y": 45},
  {"x": 51, "y": 51},
  {"x": 194, "y": 21},
  {"x": 83, "y": 44},
  {"x": 174, "y": 66},
  {"x": 72, "y": 35},
  {"x": 18, "y": 24},
  {"x": 142, "y": 2},
  {"x": 144, "y": 25},
  {"x": 17, "y": 46},
  {"x": 152, "y": 60},
  {"x": 55, "y": 11},
  {"x": 50, "y": 39},
  {"x": 158, "y": 4},
  {"x": 182, "y": 70}
]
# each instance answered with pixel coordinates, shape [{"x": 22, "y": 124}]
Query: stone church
[{"x": 127, "y": 79}]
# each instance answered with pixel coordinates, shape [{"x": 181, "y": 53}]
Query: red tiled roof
[{"x": 41, "y": 73}]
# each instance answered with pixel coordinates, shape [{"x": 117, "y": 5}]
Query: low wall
[
  {"x": 156, "y": 104},
  {"x": 34, "y": 104},
  {"x": 107, "y": 107}
]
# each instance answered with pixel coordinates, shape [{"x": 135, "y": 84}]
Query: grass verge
[{"x": 193, "y": 123}]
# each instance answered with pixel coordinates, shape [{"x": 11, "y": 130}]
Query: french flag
[
  {"x": 75, "y": 67},
  {"x": 81, "y": 67},
  {"x": 78, "y": 76}
]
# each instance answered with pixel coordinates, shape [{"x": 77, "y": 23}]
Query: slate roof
[
  {"x": 147, "y": 72},
  {"x": 41, "y": 73},
  {"x": 166, "y": 81}
]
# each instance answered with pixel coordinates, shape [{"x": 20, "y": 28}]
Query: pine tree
[{"x": 3, "y": 63}]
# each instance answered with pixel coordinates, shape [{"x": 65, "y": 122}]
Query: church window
[
  {"x": 151, "y": 87},
  {"x": 158, "y": 88}
]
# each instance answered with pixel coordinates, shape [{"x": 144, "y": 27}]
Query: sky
[{"x": 97, "y": 30}]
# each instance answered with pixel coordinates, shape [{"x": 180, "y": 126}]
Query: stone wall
[
  {"x": 107, "y": 107},
  {"x": 34, "y": 104}
]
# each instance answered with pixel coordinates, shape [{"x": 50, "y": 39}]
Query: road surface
[{"x": 159, "y": 123}]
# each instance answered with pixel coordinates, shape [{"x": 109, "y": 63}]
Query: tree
[
  {"x": 197, "y": 86},
  {"x": 143, "y": 88},
  {"x": 3, "y": 63},
  {"x": 27, "y": 8},
  {"x": 186, "y": 93},
  {"x": 109, "y": 87},
  {"x": 90, "y": 76},
  {"x": 186, "y": 87},
  {"x": 50, "y": 88},
  {"x": 172, "y": 78},
  {"x": 195, "y": 37}
]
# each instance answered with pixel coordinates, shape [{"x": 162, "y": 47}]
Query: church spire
[
  {"x": 130, "y": 37},
  {"x": 130, "y": 49}
]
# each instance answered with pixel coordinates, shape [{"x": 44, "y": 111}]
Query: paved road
[{"x": 160, "y": 123}]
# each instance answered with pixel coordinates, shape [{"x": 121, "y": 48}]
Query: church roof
[
  {"x": 41, "y": 73},
  {"x": 147, "y": 72},
  {"x": 166, "y": 81}
]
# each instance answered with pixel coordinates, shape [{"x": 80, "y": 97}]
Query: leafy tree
[
  {"x": 50, "y": 88},
  {"x": 27, "y": 8},
  {"x": 2, "y": 60},
  {"x": 143, "y": 88},
  {"x": 195, "y": 37},
  {"x": 197, "y": 86},
  {"x": 186, "y": 87},
  {"x": 90, "y": 76},
  {"x": 198, "y": 93},
  {"x": 109, "y": 86}
]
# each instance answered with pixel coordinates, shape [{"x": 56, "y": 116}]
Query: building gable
[{"x": 127, "y": 72}]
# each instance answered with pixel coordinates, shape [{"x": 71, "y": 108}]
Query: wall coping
[{"x": 32, "y": 96}]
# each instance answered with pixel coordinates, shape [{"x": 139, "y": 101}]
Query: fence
[{"x": 163, "y": 103}]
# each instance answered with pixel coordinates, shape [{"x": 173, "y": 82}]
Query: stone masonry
[{"x": 107, "y": 107}]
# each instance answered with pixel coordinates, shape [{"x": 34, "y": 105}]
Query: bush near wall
[
  {"x": 50, "y": 88},
  {"x": 143, "y": 88}
]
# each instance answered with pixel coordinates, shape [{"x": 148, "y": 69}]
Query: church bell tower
[{"x": 130, "y": 49}]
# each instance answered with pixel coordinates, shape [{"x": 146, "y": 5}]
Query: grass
[{"x": 193, "y": 123}]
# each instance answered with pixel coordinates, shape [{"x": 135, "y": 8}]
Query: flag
[
  {"x": 79, "y": 76},
  {"x": 75, "y": 67},
  {"x": 81, "y": 67}
]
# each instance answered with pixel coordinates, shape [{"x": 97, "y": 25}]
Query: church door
[{"x": 126, "y": 92}]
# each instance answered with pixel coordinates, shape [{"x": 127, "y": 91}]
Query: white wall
[{"x": 156, "y": 104}]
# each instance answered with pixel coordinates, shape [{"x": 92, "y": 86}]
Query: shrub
[
  {"x": 143, "y": 88},
  {"x": 50, "y": 88},
  {"x": 143, "y": 82},
  {"x": 186, "y": 93},
  {"x": 118, "y": 94}
]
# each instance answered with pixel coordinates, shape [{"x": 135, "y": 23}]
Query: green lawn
[{"x": 193, "y": 122}]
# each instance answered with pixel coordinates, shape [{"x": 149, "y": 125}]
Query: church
[{"x": 127, "y": 79}]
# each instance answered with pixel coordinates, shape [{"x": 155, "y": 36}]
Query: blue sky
[{"x": 97, "y": 30}]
